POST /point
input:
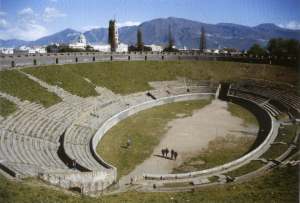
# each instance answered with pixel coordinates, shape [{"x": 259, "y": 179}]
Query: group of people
[{"x": 166, "y": 151}]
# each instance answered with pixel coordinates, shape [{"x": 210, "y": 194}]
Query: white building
[
  {"x": 208, "y": 51},
  {"x": 216, "y": 51},
  {"x": 122, "y": 47},
  {"x": 106, "y": 47},
  {"x": 31, "y": 50},
  {"x": 37, "y": 50},
  {"x": 102, "y": 47},
  {"x": 81, "y": 43},
  {"x": 155, "y": 47},
  {"x": 6, "y": 50}
]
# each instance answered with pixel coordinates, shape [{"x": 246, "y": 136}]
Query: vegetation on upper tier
[
  {"x": 17, "y": 84},
  {"x": 129, "y": 77},
  {"x": 275, "y": 151},
  {"x": 65, "y": 78},
  {"x": 144, "y": 135},
  {"x": 250, "y": 167},
  {"x": 280, "y": 185},
  {"x": 287, "y": 134},
  {"x": 6, "y": 107}
]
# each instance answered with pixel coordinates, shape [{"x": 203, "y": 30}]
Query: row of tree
[
  {"x": 53, "y": 48},
  {"x": 170, "y": 46},
  {"x": 277, "y": 47}
]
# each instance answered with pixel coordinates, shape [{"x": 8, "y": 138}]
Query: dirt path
[{"x": 189, "y": 135}]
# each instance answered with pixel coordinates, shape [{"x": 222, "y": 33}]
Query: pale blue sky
[{"x": 31, "y": 19}]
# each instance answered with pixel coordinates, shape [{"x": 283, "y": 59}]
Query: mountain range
[{"x": 185, "y": 33}]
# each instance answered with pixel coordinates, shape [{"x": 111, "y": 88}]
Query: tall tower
[
  {"x": 202, "y": 40},
  {"x": 113, "y": 35},
  {"x": 116, "y": 33}
]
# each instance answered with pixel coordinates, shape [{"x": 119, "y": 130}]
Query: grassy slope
[
  {"x": 275, "y": 151},
  {"x": 144, "y": 135},
  {"x": 287, "y": 134},
  {"x": 128, "y": 77},
  {"x": 16, "y": 84},
  {"x": 6, "y": 107},
  {"x": 280, "y": 185},
  {"x": 252, "y": 166},
  {"x": 65, "y": 78}
]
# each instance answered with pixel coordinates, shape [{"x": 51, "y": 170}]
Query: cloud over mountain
[{"x": 185, "y": 32}]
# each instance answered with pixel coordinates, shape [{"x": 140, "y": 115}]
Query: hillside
[{"x": 185, "y": 32}]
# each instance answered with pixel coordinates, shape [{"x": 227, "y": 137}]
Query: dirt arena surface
[{"x": 189, "y": 135}]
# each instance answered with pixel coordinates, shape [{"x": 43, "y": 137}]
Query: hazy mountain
[
  {"x": 65, "y": 36},
  {"x": 97, "y": 35},
  {"x": 185, "y": 32},
  {"x": 12, "y": 43}
]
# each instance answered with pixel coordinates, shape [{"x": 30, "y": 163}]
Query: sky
[{"x": 32, "y": 19}]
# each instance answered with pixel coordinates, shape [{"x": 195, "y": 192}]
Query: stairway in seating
[{"x": 223, "y": 91}]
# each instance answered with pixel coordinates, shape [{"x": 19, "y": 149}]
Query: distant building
[
  {"x": 81, "y": 43},
  {"x": 207, "y": 51},
  {"x": 106, "y": 47},
  {"x": 155, "y": 47},
  {"x": 30, "y": 50},
  {"x": 6, "y": 50},
  {"x": 101, "y": 47},
  {"x": 122, "y": 47},
  {"x": 37, "y": 50},
  {"x": 216, "y": 51}
]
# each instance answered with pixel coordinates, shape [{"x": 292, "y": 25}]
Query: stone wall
[
  {"x": 86, "y": 182},
  {"x": 11, "y": 61}
]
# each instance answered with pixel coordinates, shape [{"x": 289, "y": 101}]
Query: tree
[
  {"x": 256, "y": 49},
  {"x": 171, "y": 43},
  {"x": 112, "y": 35},
  {"x": 202, "y": 40},
  {"x": 170, "y": 38},
  {"x": 284, "y": 47},
  {"x": 139, "y": 43},
  {"x": 89, "y": 48}
]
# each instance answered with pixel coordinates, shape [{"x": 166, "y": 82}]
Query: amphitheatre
[{"x": 66, "y": 122}]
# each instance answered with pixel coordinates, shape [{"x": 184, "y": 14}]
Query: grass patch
[
  {"x": 297, "y": 156},
  {"x": 219, "y": 151},
  {"x": 213, "y": 179},
  {"x": 252, "y": 166},
  {"x": 275, "y": 151},
  {"x": 16, "y": 84},
  {"x": 287, "y": 134},
  {"x": 128, "y": 77},
  {"x": 177, "y": 184},
  {"x": 6, "y": 107},
  {"x": 238, "y": 111},
  {"x": 144, "y": 135},
  {"x": 65, "y": 78},
  {"x": 280, "y": 185}
]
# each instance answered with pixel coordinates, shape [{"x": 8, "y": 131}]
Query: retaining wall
[{"x": 11, "y": 61}]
